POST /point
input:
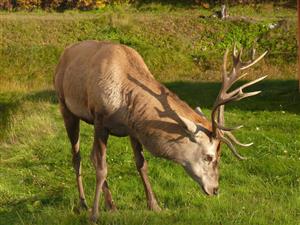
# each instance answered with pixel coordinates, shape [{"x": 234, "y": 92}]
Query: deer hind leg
[
  {"x": 98, "y": 157},
  {"x": 109, "y": 203},
  {"x": 72, "y": 127},
  {"x": 141, "y": 165}
]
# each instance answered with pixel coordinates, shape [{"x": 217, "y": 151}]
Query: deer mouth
[{"x": 204, "y": 190}]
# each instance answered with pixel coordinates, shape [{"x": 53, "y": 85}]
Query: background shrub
[
  {"x": 6, "y": 4},
  {"x": 28, "y": 4},
  {"x": 94, "y": 4}
]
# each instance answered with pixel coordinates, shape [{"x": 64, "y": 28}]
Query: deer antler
[{"x": 219, "y": 130}]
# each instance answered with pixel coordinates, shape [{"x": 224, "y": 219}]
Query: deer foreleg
[{"x": 141, "y": 165}]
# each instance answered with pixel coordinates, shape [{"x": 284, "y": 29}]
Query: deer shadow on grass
[
  {"x": 10, "y": 102},
  {"x": 277, "y": 95},
  {"x": 42, "y": 96}
]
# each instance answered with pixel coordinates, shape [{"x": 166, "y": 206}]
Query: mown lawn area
[{"x": 183, "y": 48}]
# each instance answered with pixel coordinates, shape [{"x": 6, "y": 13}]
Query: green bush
[
  {"x": 52, "y": 4},
  {"x": 94, "y": 4},
  {"x": 91, "y": 4},
  {"x": 55, "y": 4},
  {"x": 28, "y": 4}
]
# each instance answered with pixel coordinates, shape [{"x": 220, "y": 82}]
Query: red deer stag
[{"x": 109, "y": 85}]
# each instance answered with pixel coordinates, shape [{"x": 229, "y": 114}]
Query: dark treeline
[{"x": 94, "y": 4}]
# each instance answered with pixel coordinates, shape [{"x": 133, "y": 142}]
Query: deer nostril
[{"x": 216, "y": 191}]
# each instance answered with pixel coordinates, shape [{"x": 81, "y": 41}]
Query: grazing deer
[{"x": 109, "y": 85}]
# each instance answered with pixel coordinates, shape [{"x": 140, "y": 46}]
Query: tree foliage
[
  {"x": 56, "y": 4},
  {"x": 96, "y": 4}
]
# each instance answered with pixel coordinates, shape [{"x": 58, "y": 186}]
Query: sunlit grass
[{"x": 37, "y": 182}]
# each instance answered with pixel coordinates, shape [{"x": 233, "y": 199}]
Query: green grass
[{"x": 37, "y": 182}]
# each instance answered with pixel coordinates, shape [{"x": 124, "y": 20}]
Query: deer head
[{"x": 204, "y": 154}]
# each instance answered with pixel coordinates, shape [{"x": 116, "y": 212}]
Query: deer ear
[
  {"x": 190, "y": 126},
  {"x": 199, "y": 111}
]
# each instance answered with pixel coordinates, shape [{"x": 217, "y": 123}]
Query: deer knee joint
[
  {"x": 101, "y": 175},
  {"x": 76, "y": 162},
  {"x": 76, "y": 158},
  {"x": 143, "y": 167}
]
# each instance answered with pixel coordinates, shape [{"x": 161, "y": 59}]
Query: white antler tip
[
  {"x": 256, "y": 92},
  {"x": 247, "y": 145},
  {"x": 263, "y": 77}
]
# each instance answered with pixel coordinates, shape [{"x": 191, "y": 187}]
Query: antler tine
[
  {"x": 236, "y": 56},
  {"x": 253, "y": 53},
  {"x": 253, "y": 82},
  {"x": 239, "y": 91},
  {"x": 240, "y": 54},
  {"x": 252, "y": 62},
  {"x": 224, "y": 74},
  {"x": 221, "y": 127},
  {"x": 245, "y": 95},
  {"x": 232, "y": 148},
  {"x": 242, "y": 76},
  {"x": 233, "y": 139},
  {"x": 235, "y": 51},
  {"x": 239, "y": 94}
]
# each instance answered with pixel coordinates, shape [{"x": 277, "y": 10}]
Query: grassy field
[{"x": 184, "y": 51}]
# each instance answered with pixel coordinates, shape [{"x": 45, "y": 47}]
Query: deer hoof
[
  {"x": 155, "y": 208},
  {"x": 94, "y": 218},
  {"x": 111, "y": 207},
  {"x": 82, "y": 206}
]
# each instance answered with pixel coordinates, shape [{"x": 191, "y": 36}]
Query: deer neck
[{"x": 157, "y": 126}]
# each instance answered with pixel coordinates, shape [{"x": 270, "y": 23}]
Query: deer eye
[{"x": 208, "y": 158}]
